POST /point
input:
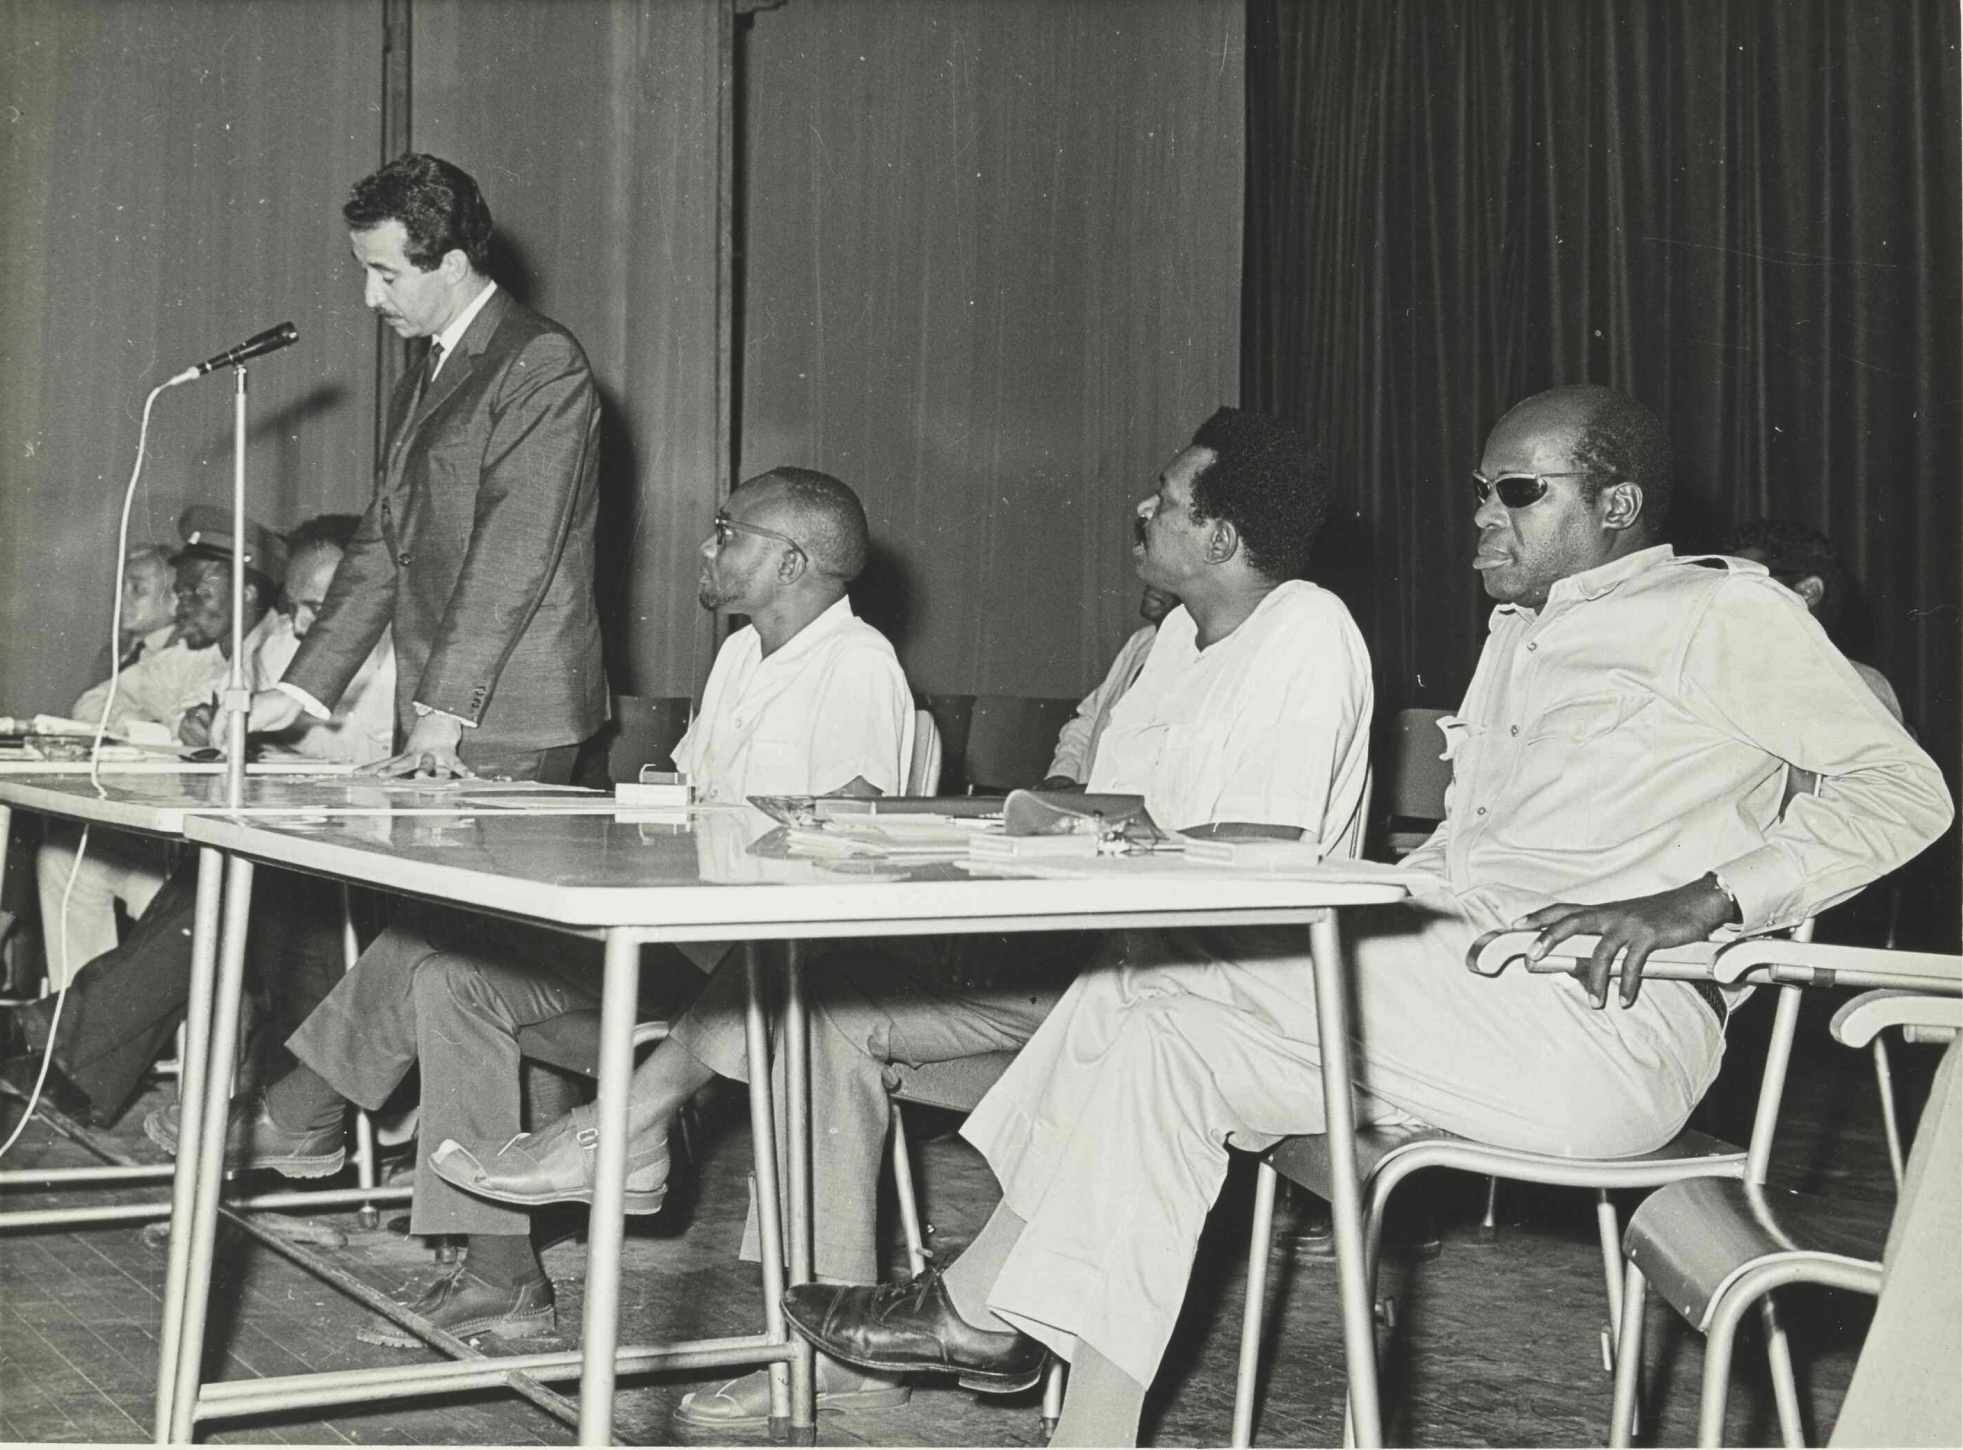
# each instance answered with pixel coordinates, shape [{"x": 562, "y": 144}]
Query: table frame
[
  {"x": 26, "y": 790},
  {"x": 183, "y": 1402}
]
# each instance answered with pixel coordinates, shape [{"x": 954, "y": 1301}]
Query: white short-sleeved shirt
[
  {"x": 830, "y": 705},
  {"x": 1270, "y": 725}
]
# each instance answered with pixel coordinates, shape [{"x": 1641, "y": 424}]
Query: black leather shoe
[
  {"x": 913, "y": 1326},
  {"x": 468, "y": 1306}
]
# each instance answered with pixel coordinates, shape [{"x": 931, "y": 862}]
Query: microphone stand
[{"x": 237, "y": 699}]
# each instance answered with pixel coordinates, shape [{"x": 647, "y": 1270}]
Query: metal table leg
[
  {"x": 1333, "y": 1033},
  {"x": 216, "y": 1069},
  {"x": 606, "y": 1229},
  {"x": 763, "y": 1154},
  {"x": 190, "y": 1094},
  {"x": 797, "y": 1127}
]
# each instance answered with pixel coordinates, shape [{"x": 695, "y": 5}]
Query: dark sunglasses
[{"x": 1517, "y": 490}]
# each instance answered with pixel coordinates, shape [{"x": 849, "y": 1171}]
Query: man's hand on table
[
  {"x": 1632, "y": 929},
  {"x": 195, "y": 728},
  {"x": 272, "y": 710},
  {"x": 431, "y": 751}
]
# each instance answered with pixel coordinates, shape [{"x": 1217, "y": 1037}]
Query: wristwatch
[{"x": 1716, "y": 878}]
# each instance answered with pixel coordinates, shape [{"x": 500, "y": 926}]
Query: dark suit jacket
[{"x": 478, "y": 546}]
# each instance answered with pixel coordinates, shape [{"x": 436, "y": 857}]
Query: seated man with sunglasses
[
  {"x": 808, "y": 699},
  {"x": 1619, "y": 766}
]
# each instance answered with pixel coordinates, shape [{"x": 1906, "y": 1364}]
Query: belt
[{"x": 1709, "y": 994}]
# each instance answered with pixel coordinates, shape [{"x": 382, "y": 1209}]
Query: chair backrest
[
  {"x": 924, "y": 769},
  {"x": 1011, "y": 740},
  {"x": 952, "y": 714},
  {"x": 645, "y": 730},
  {"x": 1417, "y": 777}
]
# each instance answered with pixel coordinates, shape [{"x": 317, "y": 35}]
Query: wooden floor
[{"x": 1493, "y": 1344}]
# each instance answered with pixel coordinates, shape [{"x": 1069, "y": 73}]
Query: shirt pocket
[{"x": 1559, "y": 797}]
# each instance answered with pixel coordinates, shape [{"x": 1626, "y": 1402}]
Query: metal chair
[
  {"x": 924, "y": 768},
  {"x": 1385, "y": 1158},
  {"x": 1418, "y": 778},
  {"x": 1714, "y": 1249},
  {"x": 956, "y": 1086},
  {"x": 1011, "y": 739},
  {"x": 645, "y": 730}
]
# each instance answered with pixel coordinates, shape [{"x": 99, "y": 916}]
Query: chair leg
[
  {"x": 1891, "y": 1126},
  {"x": 1720, "y": 1339},
  {"x": 1265, "y": 1182},
  {"x": 1053, "y": 1395},
  {"x": 903, "y": 1188},
  {"x": 1610, "y": 1232},
  {"x": 1785, "y": 1389},
  {"x": 1489, "y": 1228},
  {"x": 1628, "y": 1360}
]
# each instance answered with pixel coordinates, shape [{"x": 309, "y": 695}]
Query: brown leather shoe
[
  {"x": 468, "y": 1306},
  {"x": 912, "y": 1326}
]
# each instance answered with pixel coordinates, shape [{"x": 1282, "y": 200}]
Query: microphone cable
[{"x": 69, "y": 968}]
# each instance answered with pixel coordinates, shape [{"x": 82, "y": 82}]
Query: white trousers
[
  {"x": 117, "y": 867},
  {"x": 1109, "y": 1133}
]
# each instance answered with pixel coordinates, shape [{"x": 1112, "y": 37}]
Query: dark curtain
[{"x": 1744, "y": 213}]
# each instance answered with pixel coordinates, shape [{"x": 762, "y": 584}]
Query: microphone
[{"x": 271, "y": 340}]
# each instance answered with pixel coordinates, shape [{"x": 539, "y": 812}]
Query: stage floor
[{"x": 1494, "y": 1344}]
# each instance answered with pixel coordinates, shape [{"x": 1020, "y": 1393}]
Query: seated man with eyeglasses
[
  {"x": 1619, "y": 769},
  {"x": 806, "y": 700}
]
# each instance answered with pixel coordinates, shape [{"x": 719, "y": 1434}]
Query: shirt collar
[
  {"x": 835, "y": 617},
  {"x": 450, "y": 336},
  {"x": 1594, "y": 583}
]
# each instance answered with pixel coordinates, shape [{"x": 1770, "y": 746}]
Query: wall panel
[
  {"x": 171, "y": 179},
  {"x": 991, "y": 278},
  {"x": 593, "y": 129}
]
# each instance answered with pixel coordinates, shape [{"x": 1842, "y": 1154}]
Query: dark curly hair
[
  {"x": 1793, "y": 551},
  {"x": 1623, "y": 440},
  {"x": 1269, "y": 482},
  {"x": 332, "y": 529},
  {"x": 438, "y": 205}
]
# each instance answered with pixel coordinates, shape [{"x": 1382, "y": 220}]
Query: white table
[
  {"x": 630, "y": 884},
  {"x": 156, "y": 800}
]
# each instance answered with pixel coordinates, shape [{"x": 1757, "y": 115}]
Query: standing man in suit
[{"x": 478, "y": 546}]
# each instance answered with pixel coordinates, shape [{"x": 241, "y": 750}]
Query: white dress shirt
[
  {"x": 831, "y": 704},
  {"x": 165, "y": 684},
  {"x": 1270, "y": 725}
]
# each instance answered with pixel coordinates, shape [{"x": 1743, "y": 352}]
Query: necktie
[{"x": 430, "y": 364}]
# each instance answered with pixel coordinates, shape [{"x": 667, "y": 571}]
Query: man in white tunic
[{"x": 1625, "y": 743}]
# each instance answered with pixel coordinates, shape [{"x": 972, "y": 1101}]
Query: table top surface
[
  {"x": 699, "y": 878},
  {"x": 159, "y": 802}
]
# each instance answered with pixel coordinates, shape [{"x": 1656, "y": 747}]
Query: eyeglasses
[
  {"x": 1517, "y": 490},
  {"x": 727, "y": 526}
]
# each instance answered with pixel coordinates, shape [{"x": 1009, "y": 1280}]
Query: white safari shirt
[
  {"x": 1269, "y": 726},
  {"x": 1635, "y": 732},
  {"x": 830, "y": 705}
]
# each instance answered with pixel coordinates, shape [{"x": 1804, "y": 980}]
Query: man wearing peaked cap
[{"x": 161, "y": 688}]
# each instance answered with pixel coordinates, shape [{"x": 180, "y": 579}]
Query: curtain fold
[{"x": 1744, "y": 214}]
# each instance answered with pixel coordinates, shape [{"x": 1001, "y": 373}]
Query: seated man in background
[
  {"x": 149, "y": 619},
  {"x": 1076, "y": 743},
  {"x": 807, "y": 700},
  {"x": 1804, "y": 561},
  {"x": 126, "y": 1002},
  {"x": 1624, "y": 744},
  {"x": 161, "y": 687},
  {"x": 362, "y": 726}
]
